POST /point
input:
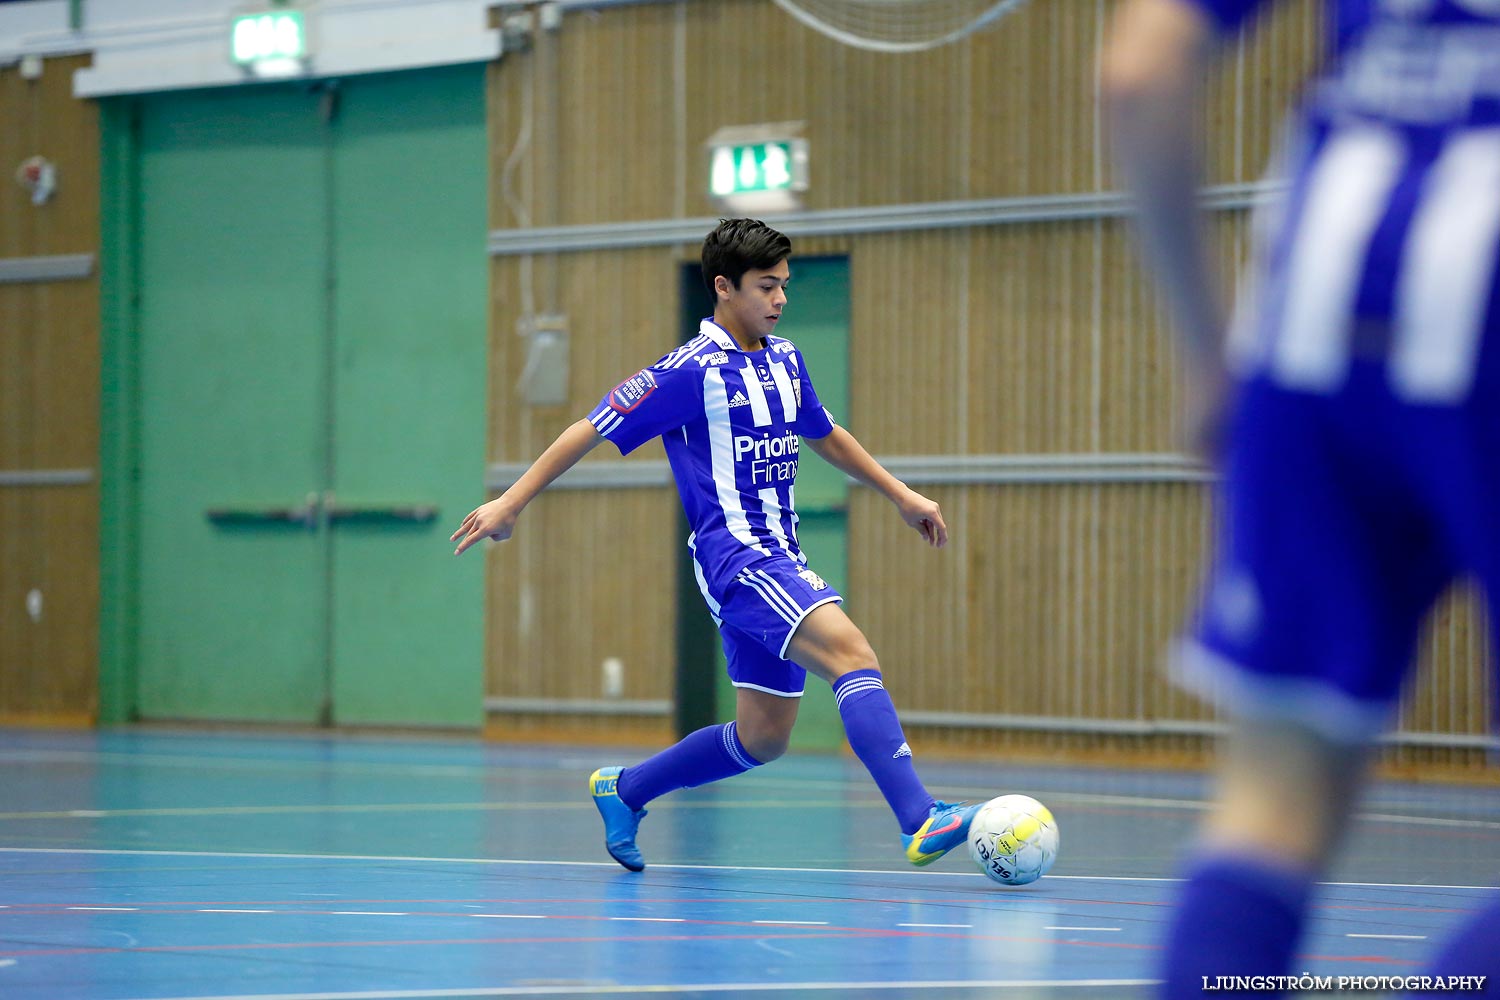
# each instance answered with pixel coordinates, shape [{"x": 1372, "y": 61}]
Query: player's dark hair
[{"x": 740, "y": 245}]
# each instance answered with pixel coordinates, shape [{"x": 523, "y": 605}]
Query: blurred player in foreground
[{"x": 1355, "y": 412}]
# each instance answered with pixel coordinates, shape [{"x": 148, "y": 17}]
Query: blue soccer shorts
[
  {"x": 760, "y": 610},
  {"x": 1343, "y": 517}
]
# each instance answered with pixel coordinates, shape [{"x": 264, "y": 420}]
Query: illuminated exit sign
[
  {"x": 759, "y": 166},
  {"x": 755, "y": 168},
  {"x": 270, "y": 43}
]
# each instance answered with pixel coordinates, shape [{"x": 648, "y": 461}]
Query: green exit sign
[
  {"x": 273, "y": 41},
  {"x": 747, "y": 168}
]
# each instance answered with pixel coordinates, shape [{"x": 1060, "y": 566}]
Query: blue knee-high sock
[
  {"x": 1474, "y": 952},
  {"x": 874, "y": 732},
  {"x": 1237, "y": 916},
  {"x": 710, "y": 754}
]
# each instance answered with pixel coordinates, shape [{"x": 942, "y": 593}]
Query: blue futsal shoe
[
  {"x": 620, "y": 824},
  {"x": 947, "y": 827}
]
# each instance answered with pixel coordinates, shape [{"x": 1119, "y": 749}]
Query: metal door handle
[
  {"x": 413, "y": 513},
  {"x": 305, "y": 516}
]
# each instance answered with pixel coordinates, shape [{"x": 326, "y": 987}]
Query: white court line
[
  {"x": 1390, "y": 937},
  {"x": 780, "y": 923},
  {"x": 1051, "y": 928},
  {"x": 246, "y": 763},
  {"x": 936, "y": 925},
  {"x": 599, "y": 990},
  {"x": 106, "y": 909},
  {"x": 364, "y": 913},
  {"x": 510, "y": 916},
  {"x": 234, "y": 911},
  {"x": 405, "y": 859},
  {"x": 1084, "y": 798}
]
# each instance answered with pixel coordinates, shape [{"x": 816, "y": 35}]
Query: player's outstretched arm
[
  {"x": 841, "y": 450},
  {"x": 1152, "y": 74},
  {"x": 497, "y": 519}
]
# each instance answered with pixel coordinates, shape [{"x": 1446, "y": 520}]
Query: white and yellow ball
[{"x": 1013, "y": 839}]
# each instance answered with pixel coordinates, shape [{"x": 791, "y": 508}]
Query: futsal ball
[{"x": 1013, "y": 839}]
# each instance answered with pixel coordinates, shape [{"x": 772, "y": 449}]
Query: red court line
[
  {"x": 818, "y": 933},
  {"x": 1372, "y": 959},
  {"x": 1105, "y": 902},
  {"x": 326, "y": 900}
]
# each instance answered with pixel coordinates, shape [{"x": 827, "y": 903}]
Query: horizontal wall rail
[
  {"x": 924, "y": 469},
  {"x": 46, "y": 477},
  {"x": 1161, "y": 727},
  {"x": 869, "y": 219},
  {"x": 578, "y": 706},
  {"x": 61, "y": 267},
  {"x": 969, "y": 720}
]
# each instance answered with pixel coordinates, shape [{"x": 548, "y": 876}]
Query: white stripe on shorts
[
  {"x": 772, "y": 582},
  {"x": 789, "y": 614}
]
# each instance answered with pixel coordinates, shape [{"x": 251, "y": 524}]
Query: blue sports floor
[{"x": 144, "y": 864}]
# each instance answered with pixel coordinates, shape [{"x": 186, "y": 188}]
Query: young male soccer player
[
  {"x": 730, "y": 406},
  {"x": 1362, "y": 453}
]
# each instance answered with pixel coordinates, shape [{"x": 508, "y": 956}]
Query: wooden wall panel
[
  {"x": 49, "y": 406},
  {"x": 1454, "y": 691},
  {"x": 49, "y": 375},
  {"x": 49, "y": 542},
  {"x": 587, "y": 575},
  {"x": 607, "y": 118},
  {"x": 1048, "y": 601},
  {"x": 41, "y": 117},
  {"x": 1022, "y": 339},
  {"x": 1054, "y": 601},
  {"x": 622, "y": 313},
  {"x": 583, "y": 580},
  {"x": 1031, "y": 97}
]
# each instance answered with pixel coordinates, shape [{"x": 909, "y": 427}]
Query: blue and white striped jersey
[
  {"x": 1384, "y": 248},
  {"x": 730, "y": 422},
  {"x": 1414, "y": 62}
]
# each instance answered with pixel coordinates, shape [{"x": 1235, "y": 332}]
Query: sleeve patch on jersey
[{"x": 628, "y": 394}]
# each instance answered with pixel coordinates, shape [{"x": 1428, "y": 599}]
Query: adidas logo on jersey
[
  {"x": 903, "y": 751},
  {"x": 738, "y": 399}
]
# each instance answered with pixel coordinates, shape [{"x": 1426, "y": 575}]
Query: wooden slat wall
[
  {"x": 49, "y": 406},
  {"x": 587, "y": 575},
  {"x": 1037, "y": 338}
]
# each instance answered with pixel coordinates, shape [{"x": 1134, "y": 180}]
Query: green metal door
[
  {"x": 817, "y": 321},
  {"x": 232, "y": 609},
  {"x": 410, "y": 227},
  {"x": 309, "y": 406}
]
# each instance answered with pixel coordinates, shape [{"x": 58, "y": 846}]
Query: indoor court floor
[{"x": 145, "y": 865}]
